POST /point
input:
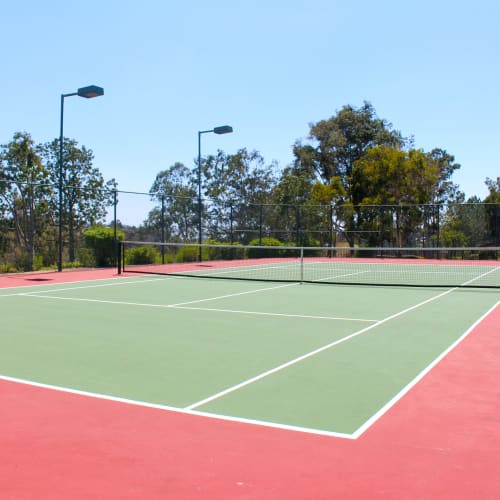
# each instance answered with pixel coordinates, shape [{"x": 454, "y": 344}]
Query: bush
[
  {"x": 258, "y": 253},
  {"x": 86, "y": 257},
  {"x": 226, "y": 251},
  {"x": 142, "y": 255},
  {"x": 7, "y": 267},
  {"x": 189, "y": 254},
  {"x": 102, "y": 241},
  {"x": 38, "y": 263}
]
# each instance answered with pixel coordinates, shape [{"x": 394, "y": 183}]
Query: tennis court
[{"x": 300, "y": 357}]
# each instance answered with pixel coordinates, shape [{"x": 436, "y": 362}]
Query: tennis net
[{"x": 426, "y": 267}]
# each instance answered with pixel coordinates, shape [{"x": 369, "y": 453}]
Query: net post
[
  {"x": 118, "y": 247},
  {"x": 301, "y": 265},
  {"x": 123, "y": 255}
]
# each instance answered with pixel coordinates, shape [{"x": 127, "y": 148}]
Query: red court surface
[
  {"x": 440, "y": 441},
  {"x": 47, "y": 278}
]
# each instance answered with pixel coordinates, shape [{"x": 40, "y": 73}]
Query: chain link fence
[{"x": 30, "y": 234}]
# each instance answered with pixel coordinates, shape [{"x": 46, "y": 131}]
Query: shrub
[
  {"x": 258, "y": 253},
  {"x": 7, "y": 267},
  {"x": 102, "y": 241},
  {"x": 38, "y": 263},
  {"x": 189, "y": 254},
  {"x": 142, "y": 255},
  {"x": 86, "y": 257},
  {"x": 226, "y": 251}
]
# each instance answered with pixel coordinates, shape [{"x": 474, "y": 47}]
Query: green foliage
[
  {"x": 29, "y": 200},
  {"x": 190, "y": 254},
  {"x": 7, "y": 267},
  {"x": 266, "y": 242},
  {"x": 257, "y": 253},
  {"x": 341, "y": 140},
  {"x": 173, "y": 189},
  {"x": 225, "y": 252},
  {"x": 102, "y": 241},
  {"x": 71, "y": 265},
  {"x": 86, "y": 257},
  {"x": 142, "y": 255},
  {"x": 493, "y": 209},
  {"x": 452, "y": 237},
  {"x": 86, "y": 194},
  {"x": 37, "y": 263},
  {"x": 24, "y": 196}
]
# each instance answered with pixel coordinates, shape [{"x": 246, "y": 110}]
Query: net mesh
[{"x": 435, "y": 267}]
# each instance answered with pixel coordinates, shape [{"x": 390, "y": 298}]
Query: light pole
[
  {"x": 224, "y": 129},
  {"x": 88, "y": 93}
]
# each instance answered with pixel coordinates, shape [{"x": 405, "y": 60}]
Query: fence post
[
  {"x": 260, "y": 223},
  {"x": 330, "y": 226},
  {"x": 231, "y": 237},
  {"x": 163, "y": 228},
  {"x": 496, "y": 228},
  {"x": 438, "y": 225},
  {"x": 297, "y": 225}
]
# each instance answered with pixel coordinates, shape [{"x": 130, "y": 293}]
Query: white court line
[
  {"x": 37, "y": 292},
  {"x": 242, "y": 269},
  {"x": 175, "y": 409},
  {"x": 236, "y": 294},
  {"x": 280, "y": 315},
  {"x": 353, "y": 436},
  {"x": 312, "y": 353},
  {"x": 374, "y": 418},
  {"x": 321, "y": 349},
  {"x": 36, "y": 285},
  {"x": 183, "y": 305},
  {"x": 208, "y": 309},
  {"x": 115, "y": 282},
  {"x": 336, "y": 277}
]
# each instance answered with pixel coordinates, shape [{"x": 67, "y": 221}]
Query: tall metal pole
[
  {"x": 163, "y": 228},
  {"x": 87, "y": 92},
  {"x": 59, "y": 239},
  {"x": 60, "y": 175},
  {"x": 199, "y": 196},
  {"x": 224, "y": 129}
]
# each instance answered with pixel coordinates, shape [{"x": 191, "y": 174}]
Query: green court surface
[{"x": 322, "y": 358}]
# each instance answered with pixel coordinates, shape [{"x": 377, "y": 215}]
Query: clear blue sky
[{"x": 269, "y": 68}]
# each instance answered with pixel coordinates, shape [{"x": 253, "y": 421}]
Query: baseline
[{"x": 310, "y": 354}]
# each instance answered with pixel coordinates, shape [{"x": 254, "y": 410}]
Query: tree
[
  {"x": 301, "y": 214},
  {"x": 444, "y": 190},
  {"x": 469, "y": 219},
  {"x": 385, "y": 177},
  {"x": 493, "y": 209},
  {"x": 173, "y": 188},
  {"x": 25, "y": 194},
  {"x": 342, "y": 140},
  {"x": 236, "y": 186},
  {"x": 337, "y": 143},
  {"x": 86, "y": 195}
]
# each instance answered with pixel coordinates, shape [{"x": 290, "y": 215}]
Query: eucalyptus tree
[
  {"x": 86, "y": 194},
  {"x": 334, "y": 146},
  {"x": 338, "y": 142},
  {"x": 392, "y": 186},
  {"x": 25, "y": 196},
  {"x": 236, "y": 187},
  {"x": 493, "y": 209},
  {"x": 175, "y": 215}
]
